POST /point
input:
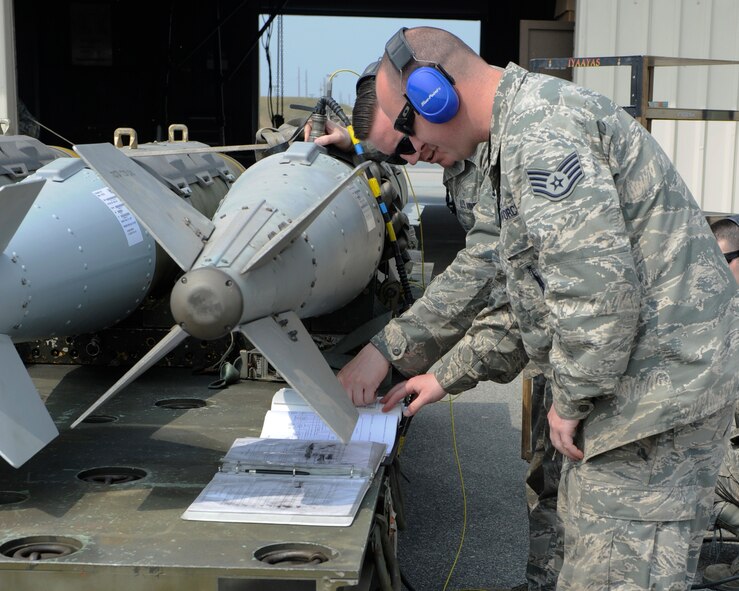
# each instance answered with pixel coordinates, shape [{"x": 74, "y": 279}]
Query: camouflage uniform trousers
[
  {"x": 635, "y": 516},
  {"x": 542, "y": 482},
  {"x": 726, "y": 502}
]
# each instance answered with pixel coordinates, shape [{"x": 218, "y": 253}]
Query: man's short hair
[
  {"x": 365, "y": 105},
  {"x": 728, "y": 231}
]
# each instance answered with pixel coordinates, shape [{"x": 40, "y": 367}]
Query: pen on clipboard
[{"x": 293, "y": 472}]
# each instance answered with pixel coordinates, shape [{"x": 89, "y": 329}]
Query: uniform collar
[
  {"x": 480, "y": 159},
  {"x": 509, "y": 84}
]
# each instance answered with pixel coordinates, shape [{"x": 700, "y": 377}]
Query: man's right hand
[
  {"x": 422, "y": 390},
  {"x": 363, "y": 375},
  {"x": 335, "y": 134}
]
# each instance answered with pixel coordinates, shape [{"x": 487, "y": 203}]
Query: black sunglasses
[
  {"x": 405, "y": 119},
  {"x": 730, "y": 256},
  {"x": 404, "y": 147}
]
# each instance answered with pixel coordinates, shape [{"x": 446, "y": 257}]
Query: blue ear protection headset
[{"x": 430, "y": 89}]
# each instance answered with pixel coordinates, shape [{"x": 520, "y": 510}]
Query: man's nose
[{"x": 416, "y": 156}]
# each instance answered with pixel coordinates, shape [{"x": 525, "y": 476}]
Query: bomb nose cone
[{"x": 206, "y": 303}]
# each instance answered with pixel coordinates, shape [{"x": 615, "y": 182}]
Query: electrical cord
[
  {"x": 217, "y": 365},
  {"x": 464, "y": 495},
  {"x": 716, "y": 584},
  {"x": 331, "y": 77},
  {"x": 405, "y": 582}
]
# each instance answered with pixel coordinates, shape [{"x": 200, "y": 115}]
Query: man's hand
[
  {"x": 335, "y": 134},
  {"x": 363, "y": 374},
  {"x": 423, "y": 389},
  {"x": 562, "y": 434}
]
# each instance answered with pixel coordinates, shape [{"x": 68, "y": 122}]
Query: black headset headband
[
  {"x": 398, "y": 50},
  {"x": 401, "y": 54},
  {"x": 369, "y": 72}
]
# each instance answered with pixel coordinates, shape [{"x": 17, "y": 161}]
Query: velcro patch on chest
[{"x": 556, "y": 184}]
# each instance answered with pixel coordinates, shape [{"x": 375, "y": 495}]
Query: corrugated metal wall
[{"x": 705, "y": 153}]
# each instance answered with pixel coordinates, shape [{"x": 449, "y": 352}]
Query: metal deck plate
[{"x": 130, "y": 535}]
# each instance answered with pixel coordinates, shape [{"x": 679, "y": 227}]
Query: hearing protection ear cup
[{"x": 432, "y": 94}]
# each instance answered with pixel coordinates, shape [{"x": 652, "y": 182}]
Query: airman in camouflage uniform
[
  {"x": 726, "y": 502},
  {"x": 725, "y": 513},
  {"x": 621, "y": 297},
  {"x": 465, "y": 181}
]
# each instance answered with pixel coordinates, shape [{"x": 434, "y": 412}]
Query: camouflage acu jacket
[
  {"x": 619, "y": 288},
  {"x": 465, "y": 180},
  {"x": 463, "y": 323}
]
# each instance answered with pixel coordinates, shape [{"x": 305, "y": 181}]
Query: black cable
[
  {"x": 715, "y": 584},
  {"x": 266, "y": 40},
  {"x": 219, "y": 24},
  {"x": 336, "y": 108},
  {"x": 405, "y": 582},
  {"x": 259, "y": 35}
]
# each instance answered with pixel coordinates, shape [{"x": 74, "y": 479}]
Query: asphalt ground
[
  {"x": 479, "y": 434},
  {"x": 462, "y": 531}
]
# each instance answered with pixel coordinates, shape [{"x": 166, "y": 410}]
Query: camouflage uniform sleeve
[
  {"x": 492, "y": 348},
  {"x": 469, "y": 295},
  {"x": 439, "y": 319},
  {"x": 591, "y": 286}
]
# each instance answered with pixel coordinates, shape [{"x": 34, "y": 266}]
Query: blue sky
[{"x": 314, "y": 47}]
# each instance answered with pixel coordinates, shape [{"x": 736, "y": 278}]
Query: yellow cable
[
  {"x": 342, "y": 70},
  {"x": 331, "y": 76},
  {"x": 464, "y": 495},
  {"x": 66, "y": 151}
]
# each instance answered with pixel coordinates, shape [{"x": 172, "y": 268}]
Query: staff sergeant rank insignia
[{"x": 557, "y": 184}]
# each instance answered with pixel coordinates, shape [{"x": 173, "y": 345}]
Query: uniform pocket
[
  {"x": 704, "y": 432},
  {"x": 635, "y": 504}
]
